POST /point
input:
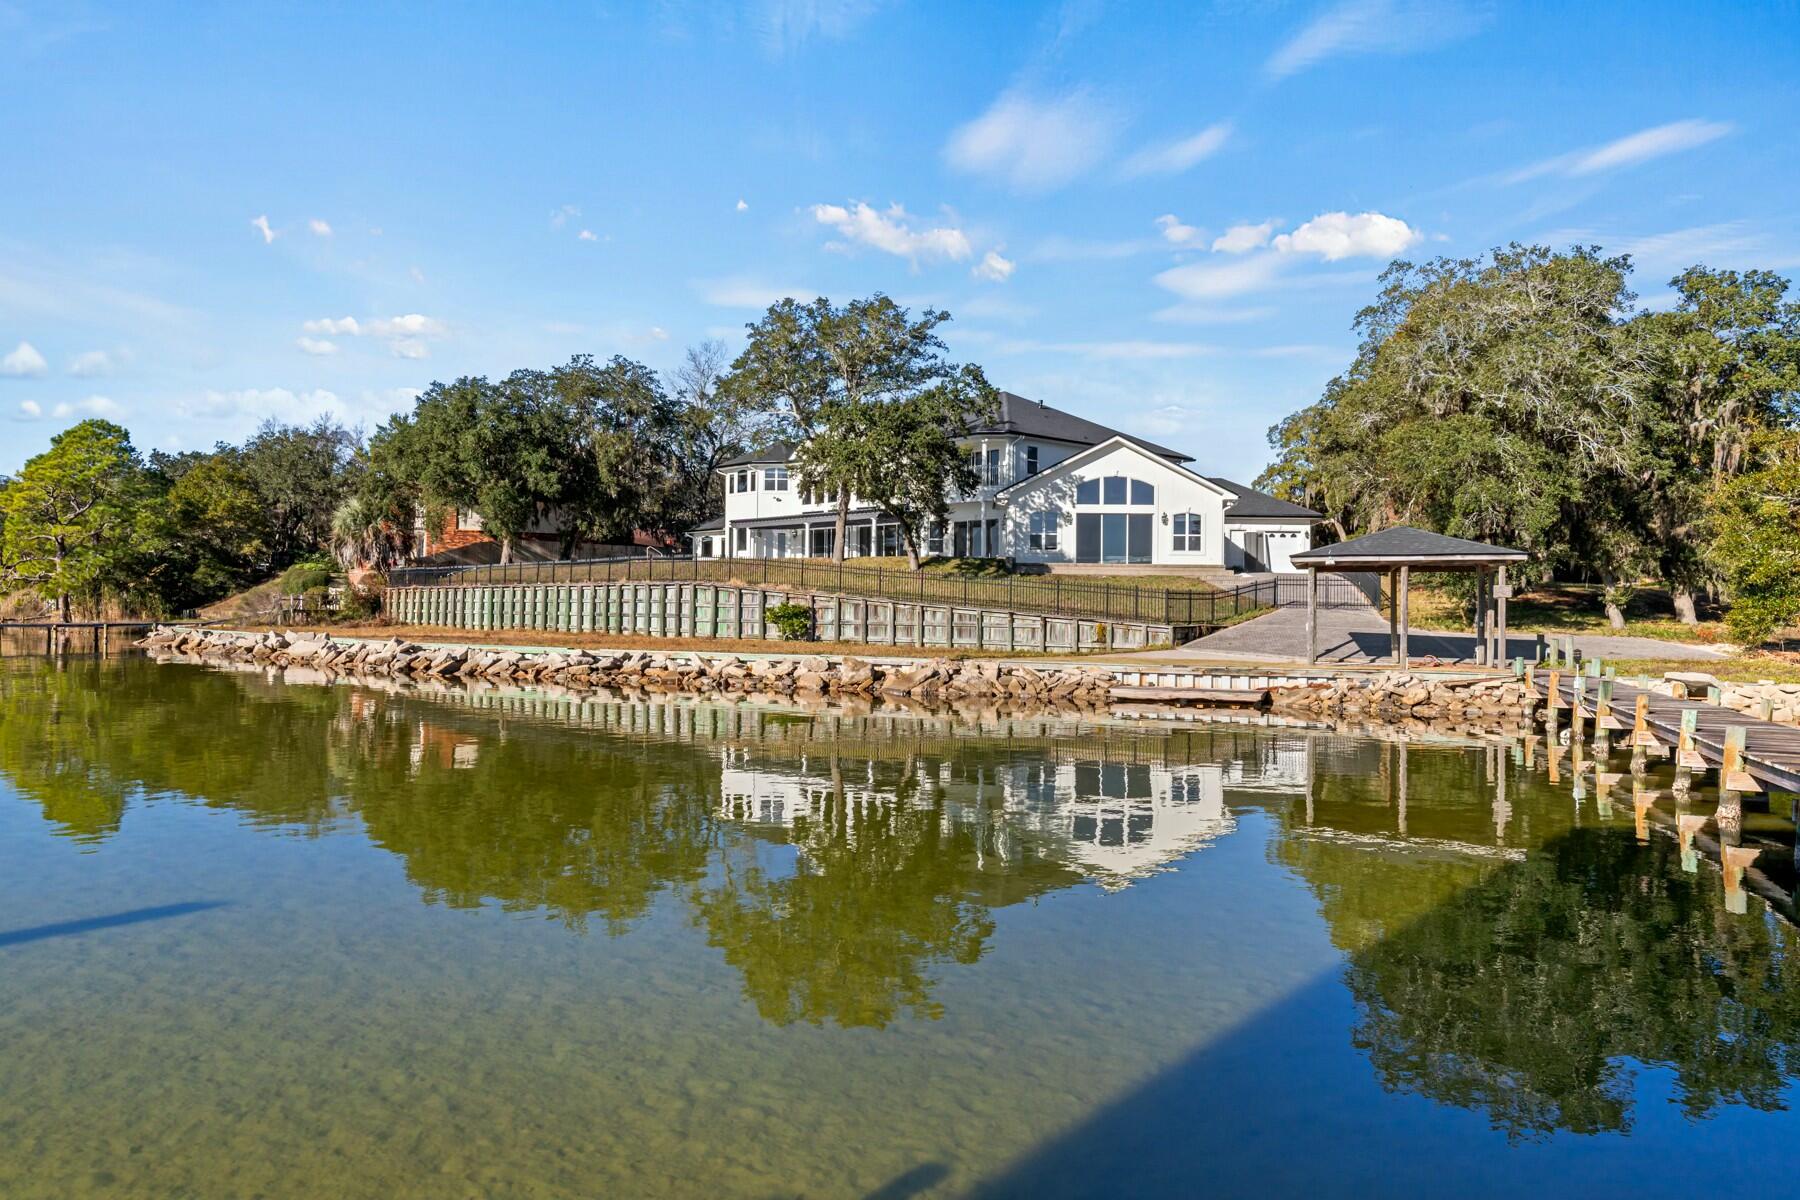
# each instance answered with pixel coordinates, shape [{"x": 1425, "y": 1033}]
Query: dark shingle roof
[
  {"x": 1252, "y": 503},
  {"x": 774, "y": 452},
  {"x": 710, "y": 523},
  {"x": 1405, "y": 542},
  {"x": 1030, "y": 418}
]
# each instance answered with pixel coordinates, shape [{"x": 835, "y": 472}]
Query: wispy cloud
[
  {"x": 405, "y": 336},
  {"x": 1176, "y": 233},
  {"x": 1627, "y": 151},
  {"x": 261, "y": 225},
  {"x": 1172, "y": 158},
  {"x": 23, "y": 363},
  {"x": 739, "y": 291},
  {"x": 788, "y": 25},
  {"x": 892, "y": 231},
  {"x": 319, "y": 347},
  {"x": 90, "y": 363},
  {"x": 1212, "y": 280},
  {"x": 1374, "y": 27},
  {"x": 93, "y": 406},
  {"x": 1329, "y": 236},
  {"x": 1212, "y": 314},
  {"x": 1035, "y": 144},
  {"x": 320, "y": 227},
  {"x": 1241, "y": 239},
  {"x": 1058, "y": 248},
  {"x": 1133, "y": 350}
]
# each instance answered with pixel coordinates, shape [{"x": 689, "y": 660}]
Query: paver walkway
[{"x": 1358, "y": 635}]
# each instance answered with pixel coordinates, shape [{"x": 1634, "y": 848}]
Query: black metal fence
[{"x": 1057, "y": 595}]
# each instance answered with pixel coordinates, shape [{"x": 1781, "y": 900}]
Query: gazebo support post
[
  {"x": 1481, "y": 638},
  {"x": 1405, "y": 586},
  {"x": 1500, "y": 616},
  {"x": 1312, "y": 615},
  {"x": 1393, "y": 577}
]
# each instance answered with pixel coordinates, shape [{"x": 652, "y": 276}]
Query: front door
[{"x": 1256, "y": 552}]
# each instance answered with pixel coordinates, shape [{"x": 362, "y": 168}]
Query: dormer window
[{"x": 775, "y": 479}]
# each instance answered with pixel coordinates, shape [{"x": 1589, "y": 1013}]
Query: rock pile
[
  {"x": 1393, "y": 694},
  {"x": 811, "y": 674},
  {"x": 1779, "y": 702}
]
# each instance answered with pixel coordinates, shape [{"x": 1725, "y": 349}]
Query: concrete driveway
[{"x": 1358, "y": 635}]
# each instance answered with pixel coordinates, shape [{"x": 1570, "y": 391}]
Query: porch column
[
  {"x": 1312, "y": 615},
  {"x": 1405, "y": 586}
]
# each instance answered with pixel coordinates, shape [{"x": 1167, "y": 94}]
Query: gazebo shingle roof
[{"x": 1404, "y": 544}]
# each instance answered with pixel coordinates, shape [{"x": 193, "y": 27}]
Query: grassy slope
[
  {"x": 1564, "y": 609},
  {"x": 1739, "y": 668}
]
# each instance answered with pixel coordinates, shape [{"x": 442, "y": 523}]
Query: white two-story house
[{"x": 1056, "y": 489}]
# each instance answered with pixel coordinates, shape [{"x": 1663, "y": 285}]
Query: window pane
[
  {"x": 1180, "y": 524},
  {"x": 1087, "y": 537},
  {"x": 1115, "y": 489},
  {"x": 1143, "y": 529},
  {"x": 1087, "y": 492},
  {"x": 1142, "y": 493},
  {"x": 1112, "y": 537}
]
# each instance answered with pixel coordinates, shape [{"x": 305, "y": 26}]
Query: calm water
[{"x": 264, "y": 939}]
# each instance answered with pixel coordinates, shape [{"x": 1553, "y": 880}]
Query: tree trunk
[
  {"x": 843, "y": 517},
  {"x": 505, "y": 550},
  {"x": 1684, "y": 606},
  {"x": 65, "y": 607},
  {"x": 1615, "y": 615},
  {"x": 912, "y": 547}
]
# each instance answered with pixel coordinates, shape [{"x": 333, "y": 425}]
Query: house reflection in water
[{"x": 1110, "y": 821}]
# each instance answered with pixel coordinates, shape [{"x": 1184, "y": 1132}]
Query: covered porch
[{"x": 1395, "y": 553}]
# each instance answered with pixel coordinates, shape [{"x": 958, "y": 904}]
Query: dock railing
[{"x": 1057, "y": 595}]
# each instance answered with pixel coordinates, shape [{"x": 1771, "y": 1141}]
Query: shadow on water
[
  {"x": 134, "y": 916},
  {"x": 908, "y": 1184},
  {"x": 1512, "y": 1034}
]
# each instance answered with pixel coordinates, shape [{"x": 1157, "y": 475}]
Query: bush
[
  {"x": 303, "y": 577},
  {"x": 794, "y": 621}
]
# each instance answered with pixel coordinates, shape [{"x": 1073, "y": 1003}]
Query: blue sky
[{"x": 1160, "y": 216}]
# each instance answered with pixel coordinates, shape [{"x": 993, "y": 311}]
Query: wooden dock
[{"x": 1771, "y": 752}]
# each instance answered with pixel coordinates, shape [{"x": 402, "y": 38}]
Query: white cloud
[
  {"x": 1243, "y": 238},
  {"x": 31, "y": 408},
  {"x": 739, "y": 291},
  {"x": 1126, "y": 351},
  {"x": 93, "y": 406},
  {"x": 586, "y": 235},
  {"x": 892, "y": 231},
  {"x": 261, "y": 225},
  {"x": 405, "y": 335},
  {"x": 743, "y": 206},
  {"x": 318, "y": 346},
  {"x": 95, "y": 362},
  {"x": 1177, "y": 156},
  {"x": 787, "y": 25},
  {"x": 1627, "y": 151},
  {"x": 258, "y": 403},
  {"x": 1374, "y": 27},
  {"x": 337, "y": 325},
  {"x": 1219, "y": 280},
  {"x": 1338, "y": 235},
  {"x": 1034, "y": 144},
  {"x": 1175, "y": 233},
  {"x": 1211, "y": 314},
  {"x": 560, "y": 216},
  {"x": 417, "y": 275},
  {"x": 993, "y": 267},
  {"x": 24, "y": 362},
  {"x": 319, "y": 227}
]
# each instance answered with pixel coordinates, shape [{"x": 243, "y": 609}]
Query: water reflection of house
[
  {"x": 1111, "y": 821},
  {"x": 444, "y": 748}
]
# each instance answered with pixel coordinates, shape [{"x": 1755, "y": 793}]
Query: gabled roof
[
  {"x": 1033, "y": 418},
  {"x": 774, "y": 452},
  {"x": 1404, "y": 545},
  {"x": 1116, "y": 441},
  {"x": 1252, "y": 503}
]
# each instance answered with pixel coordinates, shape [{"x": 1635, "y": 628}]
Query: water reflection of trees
[{"x": 1537, "y": 986}]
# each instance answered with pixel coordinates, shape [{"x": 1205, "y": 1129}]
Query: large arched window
[{"x": 1119, "y": 536}]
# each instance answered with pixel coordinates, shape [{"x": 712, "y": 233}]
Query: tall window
[
  {"x": 1188, "y": 538},
  {"x": 743, "y": 537},
  {"x": 1031, "y": 460},
  {"x": 743, "y": 481},
  {"x": 775, "y": 479},
  {"x": 1046, "y": 529},
  {"x": 934, "y": 538}
]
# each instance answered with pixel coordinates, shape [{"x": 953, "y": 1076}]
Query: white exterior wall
[
  {"x": 1285, "y": 539},
  {"x": 1177, "y": 491}
]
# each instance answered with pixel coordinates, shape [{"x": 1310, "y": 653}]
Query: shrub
[
  {"x": 794, "y": 621},
  {"x": 303, "y": 577}
]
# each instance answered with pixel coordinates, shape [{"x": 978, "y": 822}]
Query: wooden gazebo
[{"x": 1395, "y": 553}]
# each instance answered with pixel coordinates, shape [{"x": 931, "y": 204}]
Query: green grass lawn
[
  {"x": 1739, "y": 668},
  {"x": 1565, "y": 608}
]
